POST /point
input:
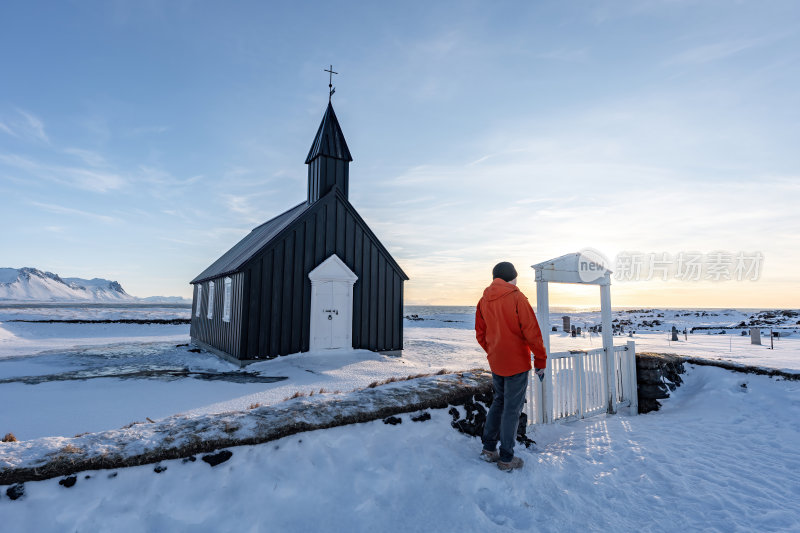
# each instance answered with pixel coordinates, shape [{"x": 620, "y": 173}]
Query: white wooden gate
[{"x": 576, "y": 385}]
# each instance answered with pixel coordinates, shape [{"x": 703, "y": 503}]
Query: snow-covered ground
[
  {"x": 717, "y": 457},
  {"x": 444, "y": 339}
]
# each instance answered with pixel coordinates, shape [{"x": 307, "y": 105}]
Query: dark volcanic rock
[
  {"x": 189, "y": 459},
  {"x": 453, "y": 412},
  {"x": 216, "y": 458},
  {"x": 393, "y": 420},
  {"x": 421, "y": 417},
  {"x": 477, "y": 407},
  {"x": 159, "y": 468},
  {"x": 68, "y": 481},
  {"x": 522, "y": 436},
  {"x": 16, "y": 491},
  {"x": 657, "y": 375}
]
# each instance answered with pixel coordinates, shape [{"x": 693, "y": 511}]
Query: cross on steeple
[{"x": 331, "y": 90}]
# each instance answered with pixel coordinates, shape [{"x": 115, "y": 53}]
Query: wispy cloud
[
  {"x": 25, "y": 125},
  {"x": 148, "y": 130},
  {"x": 88, "y": 179},
  {"x": 87, "y": 156},
  {"x": 708, "y": 53},
  {"x": 34, "y": 125},
  {"x": 160, "y": 176},
  {"x": 250, "y": 208},
  {"x": 62, "y": 210},
  {"x": 4, "y": 128},
  {"x": 567, "y": 55}
]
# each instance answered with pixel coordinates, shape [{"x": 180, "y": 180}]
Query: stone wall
[{"x": 657, "y": 375}]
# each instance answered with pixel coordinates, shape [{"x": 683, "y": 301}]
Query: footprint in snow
[{"x": 499, "y": 510}]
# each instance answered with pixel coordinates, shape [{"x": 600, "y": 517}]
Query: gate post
[
  {"x": 581, "y": 381},
  {"x": 634, "y": 381},
  {"x": 543, "y": 317},
  {"x": 608, "y": 346}
]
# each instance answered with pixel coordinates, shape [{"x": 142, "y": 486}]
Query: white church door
[{"x": 331, "y": 305}]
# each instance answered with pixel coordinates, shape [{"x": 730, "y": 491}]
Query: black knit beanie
[{"x": 504, "y": 271}]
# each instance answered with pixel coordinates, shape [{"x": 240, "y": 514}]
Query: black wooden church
[{"x": 314, "y": 277}]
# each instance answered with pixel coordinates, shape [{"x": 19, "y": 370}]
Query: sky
[{"x": 140, "y": 140}]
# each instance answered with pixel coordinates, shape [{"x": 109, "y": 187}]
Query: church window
[
  {"x": 226, "y": 306},
  {"x": 210, "y": 299}
]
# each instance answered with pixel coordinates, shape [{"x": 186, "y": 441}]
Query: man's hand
[{"x": 539, "y": 372}]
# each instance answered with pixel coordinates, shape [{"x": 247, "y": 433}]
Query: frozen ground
[
  {"x": 444, "y": 339},
  {"x": 24, "y": 338},
  {"x": 718, "y": 457}
]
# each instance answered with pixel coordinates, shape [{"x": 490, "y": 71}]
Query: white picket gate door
[{"x": 576, "y": 385}]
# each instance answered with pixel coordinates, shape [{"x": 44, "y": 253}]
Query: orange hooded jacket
[{"x": 508, "y": 331}]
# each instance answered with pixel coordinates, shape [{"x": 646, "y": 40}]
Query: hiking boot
[
  {"x": 490, "y": 457},
  {"x": 514, "y": 463}
]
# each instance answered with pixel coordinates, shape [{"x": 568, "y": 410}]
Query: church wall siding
[
  {"x": 254, "y": 310},
  {"x": 308, "y": 266},
  {"x": 372, "y": 310},
  {"x": 289, "y": 301},
  {"x": 263, "y": 331},
  {"x": 397, "y": 310},
  {"x": 225, "y": 336},
  {"x": 277, "y": 300},
  {"x": 298, "y": 304},
  {"x": 358, "y": 246},
  {"x": 381, "y": 307}
]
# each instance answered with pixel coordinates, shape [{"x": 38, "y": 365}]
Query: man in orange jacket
[{"x": 508, "y": 331}]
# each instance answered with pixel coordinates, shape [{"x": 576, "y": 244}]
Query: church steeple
[{"x": 328, "y": 159}]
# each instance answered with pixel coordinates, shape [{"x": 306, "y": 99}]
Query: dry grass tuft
[
  {"x": 81, "y": 434},
  {"x": 69, "y": 448},
  {"x": 254, "y": 406},
  {"x": 297, "y": 394},
  {"x": 229, "y": 428},
  {"x": 322, "y": 391},
  {"x": 132, "y": 424},
  {"x": 150, "y": 420},
  {"x": 10, "y": 437},
  {"x": 407, "y": 378}
]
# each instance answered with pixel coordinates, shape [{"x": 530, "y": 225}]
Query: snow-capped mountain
[{"x": 33, "y": 285}]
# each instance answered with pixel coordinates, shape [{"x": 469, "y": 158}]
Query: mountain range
[{"x": 34, "y": 285}]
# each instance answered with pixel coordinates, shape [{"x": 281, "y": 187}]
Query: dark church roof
[
  {"x": 329, "y": 140},
  {"x": 257, "y": 239}
]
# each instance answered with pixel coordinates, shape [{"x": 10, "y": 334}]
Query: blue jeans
[{"x": 503, "y": 417}]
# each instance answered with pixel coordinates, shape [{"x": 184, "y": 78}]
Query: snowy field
[
  {"x": 718, "y": 457},
  {"x": 67, "y": 362},
  {"x": 722, "y": 455}
]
